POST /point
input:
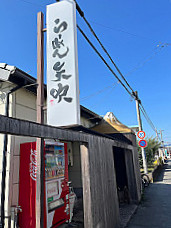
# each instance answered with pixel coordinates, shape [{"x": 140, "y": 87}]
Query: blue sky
[{"x": 134, "y": 32}]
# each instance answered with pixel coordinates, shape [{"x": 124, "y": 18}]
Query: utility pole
[
  {"x": 161, "y": 135},
  {"x": 157, "y": 135},
  {"x": 162, "y": 141},
  {"x": 40, "y": 119},
  {"x": 140, "y": 129}
]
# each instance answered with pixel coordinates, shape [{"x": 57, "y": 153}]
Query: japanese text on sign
[
  {"x": 62, "y": 65},
  {"x": 60, "y": 51}
]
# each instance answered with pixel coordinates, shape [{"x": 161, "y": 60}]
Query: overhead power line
[
  {"x": 98, "y": 53},
  {"x": 90, "y": 27},
  {"x": 148, "y": 120},
  {"x": 148, "y": 117},
  {"x": 104, "y": 49},
  {"x": 132, "y": 94},
  {"x": 147, "y": 58},
  {"x": 124, "y": 31},
  {"x": 98, "y": 92},
  {"x": 102, "y": 99}
]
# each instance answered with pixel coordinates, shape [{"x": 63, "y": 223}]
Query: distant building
[{"x": 135, "y": 128}]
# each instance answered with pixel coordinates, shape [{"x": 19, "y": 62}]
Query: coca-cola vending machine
[{"x": 56, "y": 184}]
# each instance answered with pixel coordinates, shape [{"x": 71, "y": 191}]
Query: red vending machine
[{"x": 55, "y": 182}]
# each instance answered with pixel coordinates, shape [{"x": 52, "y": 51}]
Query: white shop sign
[{"x": 63, "y": 106}]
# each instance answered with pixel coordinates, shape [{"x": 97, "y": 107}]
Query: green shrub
[{"x": 152, "y": 148}]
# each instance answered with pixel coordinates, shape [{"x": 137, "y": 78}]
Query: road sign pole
[
  {"x": 162, "y": 140},
  {"x": 140, "y": 129}
]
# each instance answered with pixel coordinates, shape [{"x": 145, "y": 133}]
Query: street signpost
[
  {"x": 138, "y": 102},
  {"x": 141, "y": 134},
  {"x": 142, "y": 143}
]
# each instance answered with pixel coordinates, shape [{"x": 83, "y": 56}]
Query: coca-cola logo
[{"x": 33, "y": 164}]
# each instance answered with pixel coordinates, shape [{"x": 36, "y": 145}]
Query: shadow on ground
[{"x": 155, "y": 208}]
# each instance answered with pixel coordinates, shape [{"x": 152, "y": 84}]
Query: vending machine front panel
[
  {"x": 56, "y": 178},
  {"x": 56, "y": 185}
]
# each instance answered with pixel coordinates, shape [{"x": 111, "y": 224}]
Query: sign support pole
[
  {"x": 140, "y": 129},
  {"x": 40, "y": 119}
]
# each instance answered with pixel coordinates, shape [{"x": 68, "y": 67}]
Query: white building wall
[
  {"x": 4, "y": 88},
  {"x": 23, "y": 106}
]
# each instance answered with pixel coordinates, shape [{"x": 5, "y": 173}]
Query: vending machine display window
[
  {"x": 54, "y": 161},
  {"x": 56, "y": 181}
]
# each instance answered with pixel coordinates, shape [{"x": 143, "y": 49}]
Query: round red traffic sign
[
  {"x": 141, "y": 134},
  {"x": 142, "y": 143}
]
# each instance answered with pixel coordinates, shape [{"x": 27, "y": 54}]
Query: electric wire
[
  {"x": 104, "y": 49},
  {"x": 129, "y": 72},
  {"x": 93, "y": 32},
  {"x": 98, "y": 53},
  {"x": 102, "y": 100},
  {"x": 148, "y": 116},
  {"x": 123, "y": 31},
  {"x": 97, "y": 92},
  {"x": 149, "y": 121},
  {"x": 148, "y": 58},
  {"x": 131, "y": 94}
]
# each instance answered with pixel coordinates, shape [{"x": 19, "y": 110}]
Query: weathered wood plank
[
  {"x": 104, "y": 200},
  {"x": 87, "y": 201},
  {"x": 98, "y": 173},
  {"x": 96, "y": 184},
  {"x": 137, "y": 171},
  {"x": 18, "y": 127}
]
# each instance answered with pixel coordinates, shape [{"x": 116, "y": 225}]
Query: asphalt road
[{"x": 155, "y": 208}]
